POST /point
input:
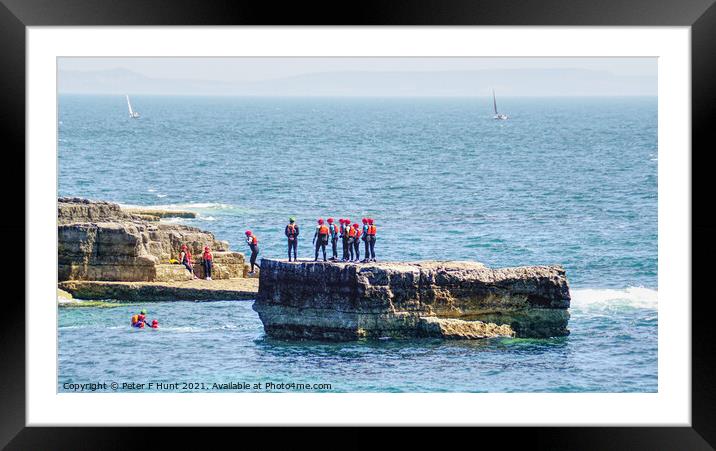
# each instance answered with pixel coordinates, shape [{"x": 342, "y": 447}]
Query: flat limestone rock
[
  {"x": 101, "y": 241},
  {"x": 189, "y": 290},
  {"x": 158, "y": 214},
  {"x": 447, "y": 299}
]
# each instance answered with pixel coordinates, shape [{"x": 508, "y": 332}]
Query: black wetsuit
[
  {"x": 351, "y": 244},
  {"x": 321, "y": 241},
  {"x": 370, "y": 241},
  {"x": 208, "y": 263},
  {"x": 292, "y": 236},
  {"x": 334, "y": 241},
  {"x": 254, "y": 252},
  {"x": 356, "y": 247},
  {"x": 187, "y": 263},
  {"x": 344, "y": 237},
  {"x": 364, "y": 237}
]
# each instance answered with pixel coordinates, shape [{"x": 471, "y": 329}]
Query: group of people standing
[{"x": 328, "y": 231}]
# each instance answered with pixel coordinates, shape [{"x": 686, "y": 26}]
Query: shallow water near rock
[
  {"x": 223, "y": 342},
  {"x": 568, "y": 181}
]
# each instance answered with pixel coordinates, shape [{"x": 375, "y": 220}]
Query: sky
[{"x": 360, "y": 76}]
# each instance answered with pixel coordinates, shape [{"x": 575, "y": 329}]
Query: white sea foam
[
  {"x": 637, "y": 297},
  {"x": 185, "y": 206}
]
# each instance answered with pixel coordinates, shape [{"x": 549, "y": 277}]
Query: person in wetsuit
[
  {"x": 140, "y": 320},
  {"x": 320, "y": 239},
  {"x": 370, "y": 239},
  {"x": 350, "y": 233},
  {"x": 292, "y": 236},
  {"x": 333, "y": 228},
  {"x": 185, "y": 259},
  {"x": 344, "y": 239},
  {"x": 356, "y": 241},
  {"x": 364, "y": 238},
  {"x": 207, "y": 259},
  {"x": 345, "y": 229},
  {"x": 253, "y": 243}
]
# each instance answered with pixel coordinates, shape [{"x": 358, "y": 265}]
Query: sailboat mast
[{"x": 494, "y": 101}]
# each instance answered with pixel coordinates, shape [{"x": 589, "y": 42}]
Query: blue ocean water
[{"x": 566, "y": 180}]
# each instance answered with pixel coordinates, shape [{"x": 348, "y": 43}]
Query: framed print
[{"x": 457, "y": 214}]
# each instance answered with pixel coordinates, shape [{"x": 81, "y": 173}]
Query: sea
[{"x": 565, "y": 180}]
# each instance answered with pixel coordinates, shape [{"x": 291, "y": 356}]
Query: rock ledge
[{"x": 343, "y": 301}]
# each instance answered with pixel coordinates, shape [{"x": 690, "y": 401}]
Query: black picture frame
[{"x": 700, "y": 15}]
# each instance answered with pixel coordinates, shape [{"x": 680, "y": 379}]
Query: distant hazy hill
[{"x": 507, "y": 82}]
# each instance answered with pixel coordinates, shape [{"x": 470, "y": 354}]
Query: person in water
[
  {"x": 370, "y": 240},
  {"x": 356, "y": 241},
  {"x": 345, "y": 238},
  {"x": 334, "y": 239},
  {"x": 207, "y": 259},
  {"x": 185, "y": 259},
  {"x": 155, "y": 324},
  {"x": 320, "y": 239},
  {"x": 292, "y": 235},
  {"x": 139, "y": 320},
  {"x": 253, "y": 243}
]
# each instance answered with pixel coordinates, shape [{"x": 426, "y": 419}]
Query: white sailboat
[
  {"x": 498, "y": 116},
  {"x": 133, "y": 114}
]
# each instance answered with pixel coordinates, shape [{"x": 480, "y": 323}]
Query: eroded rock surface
[
  {"x": 100, "y": 241},
  {"x": 342, "y": 301}
]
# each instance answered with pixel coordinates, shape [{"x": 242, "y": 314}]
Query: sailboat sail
[
  {"x": 132, "y": 113},
  {"x": 497, "y": 115}
]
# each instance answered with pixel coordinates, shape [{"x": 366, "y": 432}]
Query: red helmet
[
  {"x": 330, "y": 220},
  {"x": 183, "y": 246},
  {"x": 355, "y": 226},
  {"x": 320, "y": 220},
  {"x": 365, "y": 220},
  {"x": 248, "y": 232},
  {"x": 370, "y": 221},
  {"x": 348, "y": 221},
  {"x": 206, "y": 248}
]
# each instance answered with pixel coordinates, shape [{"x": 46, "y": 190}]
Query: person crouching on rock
[
  {"x": 253, "y": 243},
  {"x": 292, "y": 235},
  {"x": 320, "y": 239},
  {"x": 207, "y": 259},
  {"x": 356, "y": 241},
  {"x": 185, "y": 259},
  {"x": 334, "y": 239}
]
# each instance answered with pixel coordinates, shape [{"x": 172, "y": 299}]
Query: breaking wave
[{"x": 635, "y": 297}]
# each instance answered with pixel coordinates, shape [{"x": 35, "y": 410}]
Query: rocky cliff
[
  {"x": 100, "y": 241},
  {"x": 341, "y": 301}
]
